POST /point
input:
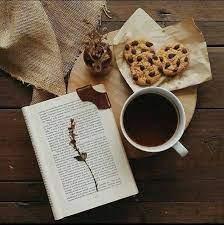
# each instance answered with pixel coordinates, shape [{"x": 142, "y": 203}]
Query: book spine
[{"x": 29, "y": 128}]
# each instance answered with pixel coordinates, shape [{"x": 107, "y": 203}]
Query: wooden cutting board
[{"x": 118, "y": 91}]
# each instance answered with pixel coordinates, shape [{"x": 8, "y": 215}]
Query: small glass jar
[{"x": 98, "y": 58}]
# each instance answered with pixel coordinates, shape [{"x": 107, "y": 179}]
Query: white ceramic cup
[{"x": 174, "y": 140}]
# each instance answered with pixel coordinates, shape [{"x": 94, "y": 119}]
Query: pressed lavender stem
[
  {"x": 92, "y": 175},
  {"x": 72, "y": 137},
  {"x": 88, "y": 168}
]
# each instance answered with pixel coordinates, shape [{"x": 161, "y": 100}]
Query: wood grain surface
[{"x": 172, "y": 189}]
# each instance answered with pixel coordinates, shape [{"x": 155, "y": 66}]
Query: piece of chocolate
[
  {"x": 167, "y": 48},
  {"x": 139, "y": 58},
  {"x": 152, "y": 73},
  {"x": 134, "y": 43},
  {"x": 160, "y": 68},
  {"x": 127, "y": 47},
  {"x": 176, "y": 46},
  {"x": 135, "y": 77},
  {"x": 171, "y": 55},
  {"x": 161, "y": 59},
  {"x": 149, "y": 44},
  {"x": 88, "y": 93},
  {"x": 150, "y": 60},
  {"x": 142, "y": 67},
  {"x": 130, "y": 59},
  {"x": 153, "y": 52},
  {"x": 167, "y": 65},
  {"x": 133, "y": 51},
  {"x": 184, "y": 50}
]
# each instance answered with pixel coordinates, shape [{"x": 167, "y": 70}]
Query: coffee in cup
[{"x": 153, "y": 120}]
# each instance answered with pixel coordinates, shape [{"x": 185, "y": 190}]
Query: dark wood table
[{"x": 172, "y": 189}]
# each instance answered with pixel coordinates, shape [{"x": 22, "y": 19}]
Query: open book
[{"x": 96, "y": 175}]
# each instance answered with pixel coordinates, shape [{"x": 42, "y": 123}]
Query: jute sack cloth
[{"x": 39, "y": 40}]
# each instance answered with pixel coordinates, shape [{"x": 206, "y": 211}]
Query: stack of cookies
[{"x": 148, "y": 66}]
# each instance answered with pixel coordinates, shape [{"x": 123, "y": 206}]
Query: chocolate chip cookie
[
  {"x": 135, "y": 48},
  {"x": 144, "y": 73},
  {"x": 174, "y": 59}
]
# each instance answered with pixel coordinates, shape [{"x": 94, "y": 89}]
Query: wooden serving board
[{"x": 118, "y": 91}]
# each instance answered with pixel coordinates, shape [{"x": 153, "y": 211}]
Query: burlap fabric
[{"x": 39, "y": 40}]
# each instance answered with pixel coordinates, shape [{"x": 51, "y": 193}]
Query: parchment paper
[{"x": 141, "y": 26}]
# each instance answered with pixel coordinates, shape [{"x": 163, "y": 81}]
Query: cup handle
[{"x": 180, "y": 149}]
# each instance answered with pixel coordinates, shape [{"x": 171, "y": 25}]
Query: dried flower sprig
[
  {"x": 97, "y": 34},
  {"x": 97, "y": 54},
  {"x": 81, "y": 155}
]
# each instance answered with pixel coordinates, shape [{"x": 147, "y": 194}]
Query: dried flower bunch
[
  {"x": 81, "y": 155},
  {"x": 97, "y": 54}
]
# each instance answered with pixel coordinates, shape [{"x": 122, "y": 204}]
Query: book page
[
  {"x": 90, "y": 139},
  {"x": 74, "y": 185}
]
